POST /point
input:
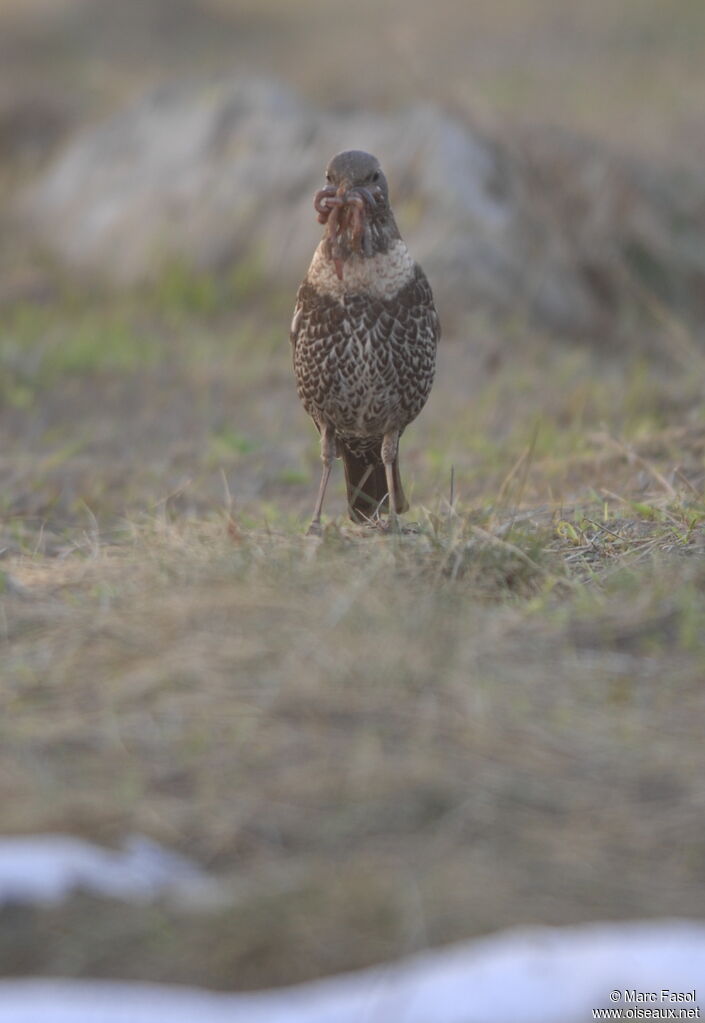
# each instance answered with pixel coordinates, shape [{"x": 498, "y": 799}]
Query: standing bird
[{"x": 364, "y": 338}]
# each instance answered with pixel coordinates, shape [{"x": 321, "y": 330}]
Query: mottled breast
[{"x": 365, "y": 347}]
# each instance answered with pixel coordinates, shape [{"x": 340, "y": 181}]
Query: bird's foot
[
  {"x": 315, "y": 529},
  {"x": 392, "y": 525}
]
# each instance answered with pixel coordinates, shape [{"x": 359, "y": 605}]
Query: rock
[
  {"x": 32, "y": 126},
  {"x": 225, "y": 173},
  {"x": 212, "y": 175}
]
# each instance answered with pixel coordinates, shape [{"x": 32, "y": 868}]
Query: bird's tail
[{"x": 367, "y": 482}]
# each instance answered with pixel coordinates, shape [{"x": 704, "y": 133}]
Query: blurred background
[{"x": 375, "y": 748}]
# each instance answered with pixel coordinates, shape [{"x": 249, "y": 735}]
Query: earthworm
[
  {"x": 332, "y": 244},
  {"x": 370, "y": 196},
  {"x": 323, "y": 200},
  {"x": 357, "y": 220},
  {"x": 329, "y": 203}
]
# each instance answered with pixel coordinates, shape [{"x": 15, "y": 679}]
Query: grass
[{"x": 376, "y": 742}]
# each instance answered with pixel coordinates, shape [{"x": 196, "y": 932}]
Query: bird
[{"x": 364, "y": 335}]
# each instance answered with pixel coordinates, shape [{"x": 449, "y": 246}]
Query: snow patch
[
  {"x": 44, "y": 869},
  {"x": 542, "y": 975}
]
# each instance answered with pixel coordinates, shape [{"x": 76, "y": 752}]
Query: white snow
[
  {"x": 537, "y": 975},
  {"x": 47, "y": 868},
  {"x": 542, "y": 975}
]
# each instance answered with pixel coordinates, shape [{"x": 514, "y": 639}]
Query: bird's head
[
  {"x": 354, "y": 170},
  {"x": 354, "y": 206}
]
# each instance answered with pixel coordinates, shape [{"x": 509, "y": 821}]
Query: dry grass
[{"x": 377, "y": 742}]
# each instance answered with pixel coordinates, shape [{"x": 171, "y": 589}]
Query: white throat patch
[{"x": 382, "y": 275}]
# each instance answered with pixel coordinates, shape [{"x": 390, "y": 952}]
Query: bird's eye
[
  {"x": 375, "y": 176},
  {"x": 328, "y": 177}
]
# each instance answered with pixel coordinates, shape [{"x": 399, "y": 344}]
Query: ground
[{"x": 377, "y": 742}]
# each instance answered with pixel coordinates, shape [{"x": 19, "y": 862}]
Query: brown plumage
[{"x": 364, "y": 338}]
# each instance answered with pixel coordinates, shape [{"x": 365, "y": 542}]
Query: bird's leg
[
  {"x": 390, "y": 448},
  {"x": 327, "y": 456}
]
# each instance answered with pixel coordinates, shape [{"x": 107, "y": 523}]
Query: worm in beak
[{"x": 345, "y": 211}]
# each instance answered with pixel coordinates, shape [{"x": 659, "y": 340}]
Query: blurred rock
[
  {"x": 219, "y": 174},
  {"x": 32, "y": 126}
]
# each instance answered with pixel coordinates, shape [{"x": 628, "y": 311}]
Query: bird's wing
[
  {"x": 415, "y": 334},
  {"x": 305, "y": 298},
  {"x": 419, "y": 301}
]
